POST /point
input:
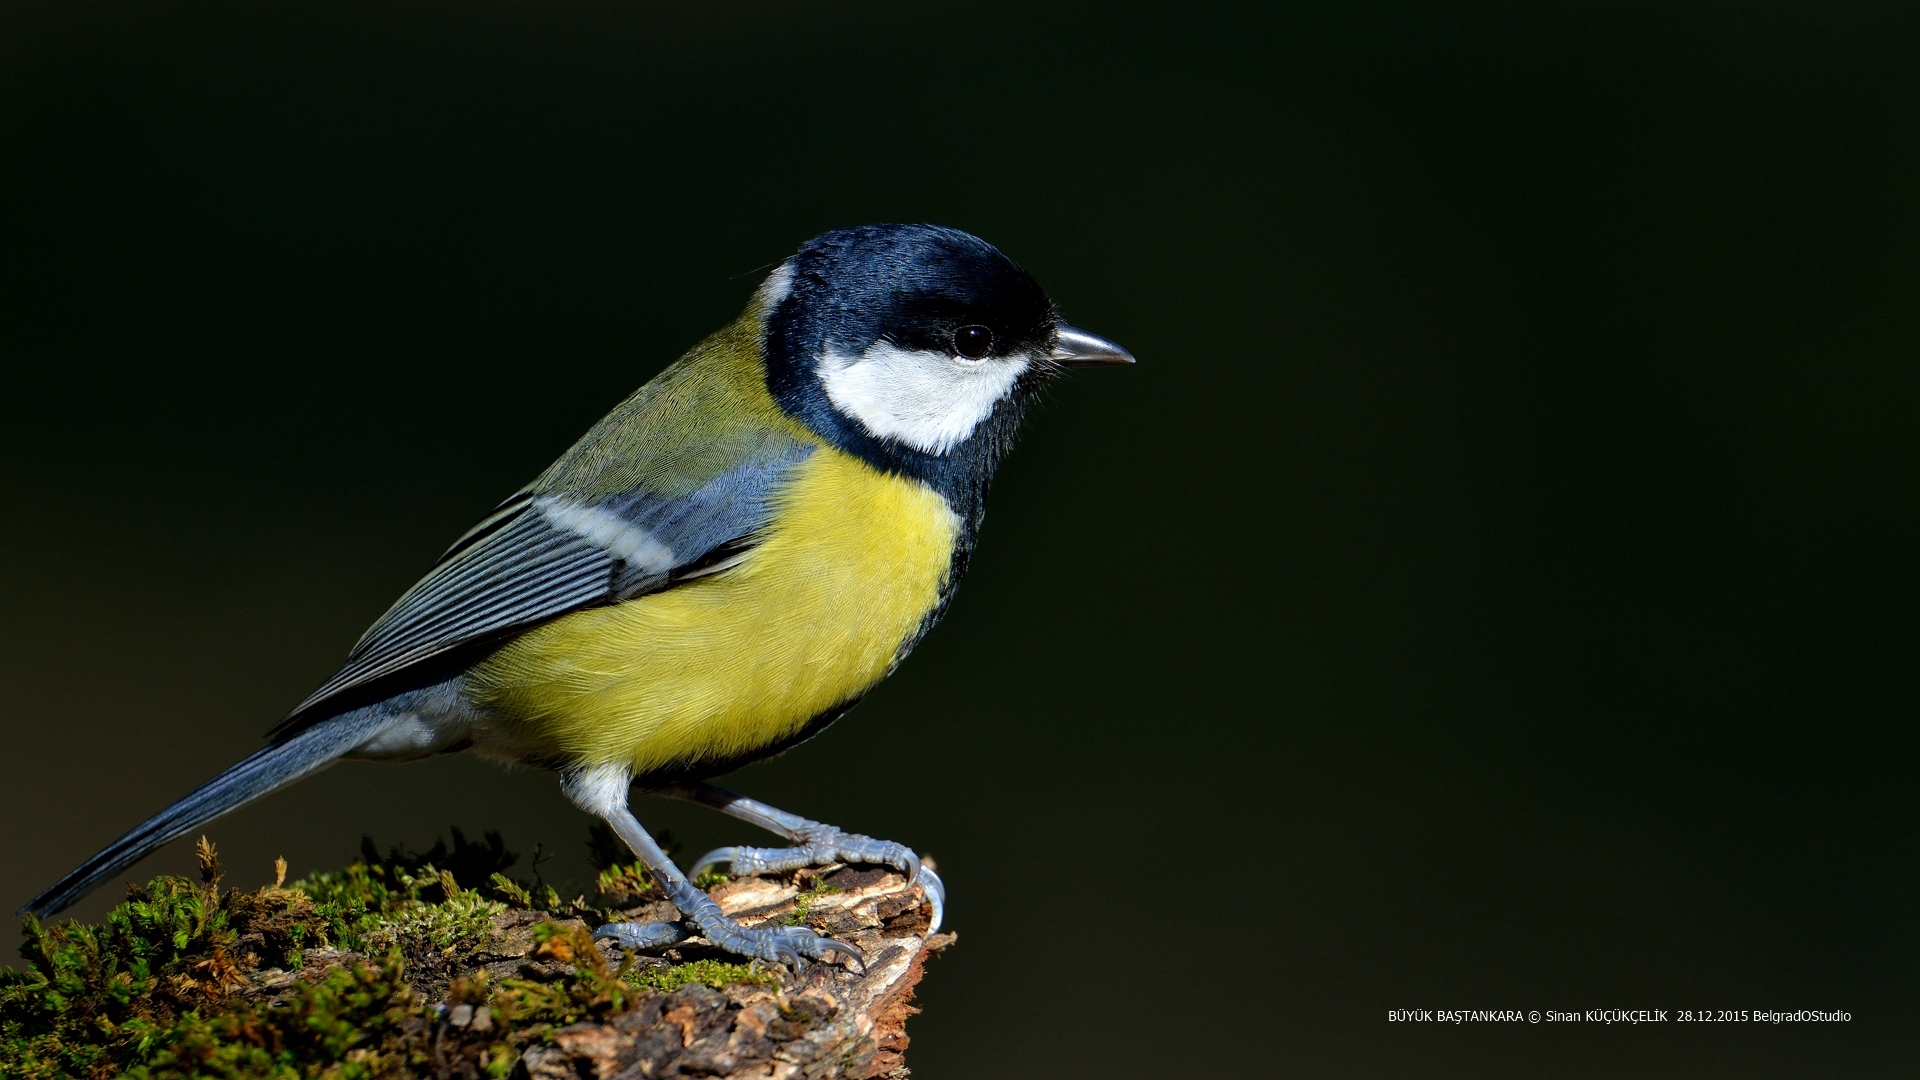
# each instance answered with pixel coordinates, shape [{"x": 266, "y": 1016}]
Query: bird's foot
[
  {"x": 775, "y": 944},
  {"x": 824, "y": 844}
]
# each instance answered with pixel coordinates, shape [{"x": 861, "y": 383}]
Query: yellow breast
[{"x": 716, "y": 668}]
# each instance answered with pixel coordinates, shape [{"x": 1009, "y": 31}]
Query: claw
[
  {"x": 821, "y": 845},
  {"x": 791, "y": 945},
  {"x": 816, "y": 848},
  {"x": 936, "y": 891},
  {"x": 712, "y": 858},
  {"x": 908, "y": 863},
  {"x": 828, "y": 944},
  {"x": 814, "y": 945}
]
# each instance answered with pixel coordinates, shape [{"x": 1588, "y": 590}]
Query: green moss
[
  {"x": 803, "y": 904},
  {"x": 710, "y": 877},
  {"x": 95, "y": 995},
  {"x": 169, "y": 984},
  {"x": 360, "y": 1020},
  {"x": 462, "y": 916},
  {"x": 371, "y": 908},
  {"x": 537, "y": 1001},
  {"x": 626, "y": 882},
  {"x": 714, "y": 973}
]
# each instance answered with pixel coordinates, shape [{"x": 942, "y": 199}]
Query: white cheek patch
[{"x": 929, "y": 400}]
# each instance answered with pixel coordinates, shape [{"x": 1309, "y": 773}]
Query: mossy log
[
  {"x": 393, "y": 968},
  {"x": 826, "y": 1020}
]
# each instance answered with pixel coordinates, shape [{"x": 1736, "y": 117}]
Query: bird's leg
[
  {"x": 815, "y": 844},
  {"x": 603, "y": 792}
]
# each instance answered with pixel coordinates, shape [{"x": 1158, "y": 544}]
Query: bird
[{"x": 717, "y": 570}]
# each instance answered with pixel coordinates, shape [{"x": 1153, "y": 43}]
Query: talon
[
  {"x": 828, "y": 944},
  {"x": 821, "y": 845},
  {"x": 712, "y": 858},
  {"x": 936, "y": 891}
]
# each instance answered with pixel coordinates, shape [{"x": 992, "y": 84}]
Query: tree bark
[{"x": 827, "y": 1020}]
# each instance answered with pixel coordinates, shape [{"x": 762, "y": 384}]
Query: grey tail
[{"x": 274, "y": 767}]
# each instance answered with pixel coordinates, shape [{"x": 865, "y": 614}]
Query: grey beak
[{"x": 1077, "y": 348}]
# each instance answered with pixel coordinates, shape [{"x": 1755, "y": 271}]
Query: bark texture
[{"x": 826, "y": 1020}]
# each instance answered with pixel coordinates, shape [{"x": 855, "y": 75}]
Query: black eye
[{"x": 972, "y": 342}]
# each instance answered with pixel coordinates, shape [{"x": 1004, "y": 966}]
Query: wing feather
[{"x": 536, "y": 557}]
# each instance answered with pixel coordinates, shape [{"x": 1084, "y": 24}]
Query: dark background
[{"x": 1494, "y": 588}]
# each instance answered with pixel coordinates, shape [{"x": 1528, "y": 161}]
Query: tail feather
[{"x": 274, "y": 767}]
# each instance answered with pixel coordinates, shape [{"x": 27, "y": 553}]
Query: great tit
[{"x": 719, "y": 569}]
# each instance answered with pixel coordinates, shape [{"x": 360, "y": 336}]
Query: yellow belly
[{"x": 853, "y": 561}]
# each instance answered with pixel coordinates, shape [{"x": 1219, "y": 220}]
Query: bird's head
[{"x": 914, "y": 346}]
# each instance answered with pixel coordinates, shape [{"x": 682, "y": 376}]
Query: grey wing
[{"x": 537, "y": 557}]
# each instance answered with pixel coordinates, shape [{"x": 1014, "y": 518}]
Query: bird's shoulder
[
  {"x": 676, "y": 482},
  {"x": 694, "y": 422}
]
